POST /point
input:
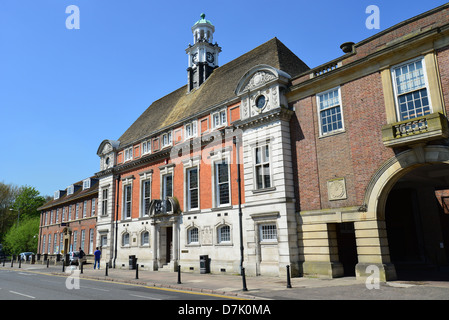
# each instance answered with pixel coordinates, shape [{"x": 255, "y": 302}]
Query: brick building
[
  {"x": 343, "y": 167},
  {"x": 370, "y": 133},
  {"x": 69, "y": 221}
]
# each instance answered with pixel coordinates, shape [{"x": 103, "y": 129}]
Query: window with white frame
[
  {"x": 75, "y": 240},
  {"x": 104, "y": 240},
  {"x": 224, "y": 234},
  {"x": 268, "y": 232},
  {"x": 262, "y": 167},
  {"x": 86, "y": 184},
  {"x": 145, "y": 238},
  {"x": 191, "y": 130},
  {"x": 125, "y": 239},
  {"x": 167, "y": 189},
  {"x": 61, "y": 242},
  {"x": 91, "y": 241},
  {"x": 43, "y": 244},
  {"x": 222, "y": 196},
  {"x": 146, "y": 147},
  {"x": 104, "y": 203},
  {"x": 69, "y": 216},
  {"x": 77, "y": 210},
  {"x": 83, "y": 238},
  {"x": 330, "y": 111},
  {"x": 219, "y": 119},
  {"x": 193, "y": 236},
  {"x": 166, "y": 139},
  {"x": 70, "y": 189},
  {"x": 127, "y": 198},
  {"x": 129, "y": 154},
  {"x": 85, "y": 208},
  {"x": 55, "y": 243},
  {"x": 146, "y": 197},
  {"x": 57, "y": 215},
  {"x": 410, "y": 88},
  {"x": 49, "y": 244},
  {"x": 63, "y": 215},
  {"x": 192, "y": 188},
  {"x": 92, "y": 208}
]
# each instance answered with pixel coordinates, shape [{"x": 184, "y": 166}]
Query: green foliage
[
  {"x": 27, "y": 202},
  {"x": 24, "y": 237}
]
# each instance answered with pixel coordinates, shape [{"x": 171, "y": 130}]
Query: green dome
[{"x": 203, "y": 20}]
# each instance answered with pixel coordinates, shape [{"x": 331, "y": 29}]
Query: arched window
[
  {"x": 224, "y": 234},
  {"x": 145, "y": 238},
  {"x": 125, "y": 239},
  {"x": 192, "y": 235}
]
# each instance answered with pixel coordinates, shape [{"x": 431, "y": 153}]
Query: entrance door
[
  {"x": 347, "y": 248},
  {"x": 169, "y": 244}
]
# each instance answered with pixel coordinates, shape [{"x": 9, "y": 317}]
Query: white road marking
[
  {"x": 21, "y": 294},
  {"x": 146, "y": 297}
]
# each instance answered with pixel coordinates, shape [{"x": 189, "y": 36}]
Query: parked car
[
  {"x": 74, "y": 257},
  {"x": 26, "y": 256}
]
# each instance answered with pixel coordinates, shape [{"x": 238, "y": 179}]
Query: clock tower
[{"x": 203, "y": 54}]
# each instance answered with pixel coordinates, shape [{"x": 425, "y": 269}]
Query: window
[
  {"x": 262, "y": 167},
  {"x": 63, "y": 215},
  {"x": 86, "y": 184},
  {"x": 69, "y": 217},
  {"x": 192, "y": 235},
  {"x": 224, "y": 234},
  {"x": 55, "y": 244},
  {"x": 167, "y": 190},
  {"x": 166, "y": 139},
  {"x": 125, "y": 239},
  {"x": 83, "y": 238},
  {"x": 104, "y": 207},
  {"x": 61, "y": 242},
  {"x": 75, "y": 240},
  {"x": 57, "y": 215},
  {"x": 410, "y": 89},
  {"x": 127, "y": 202},
  {"x": 77, "y": 210},
  {"x": 70, "y": 190},
  {"x": 146, "y": 197},
  {"x": 92, "y": 209},
  {"x": 330, "y": 112},
  {"x": 219, "y": 119},
  {"x": 129, "y": 154},
  {"x": 145, "y": 238},
  {"x": 191, "y": 130},
  {"x": 222, "y": 183},
  {"x": 49, "y": 244},
  {"x": 43, "y": 244},
  {"x": 91, "y": 241},
  {"x": 192, "y": 188},
  {"x": 104, "y": 240},
  {"x": 85, "y": 209},
  {"x": 268, "y": 232},
  {"x": 146, "y": 147}
]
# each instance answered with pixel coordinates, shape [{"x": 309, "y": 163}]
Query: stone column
[
  {"x": 175, "y": 236},
  {"x": 155, "y": 245},
  {"x": 373, "y": 250}
]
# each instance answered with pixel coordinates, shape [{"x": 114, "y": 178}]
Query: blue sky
[{"x": 63, "y": 91}]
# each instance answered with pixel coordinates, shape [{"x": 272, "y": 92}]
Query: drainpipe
[
  {"x": 116, "y": 219},
  {"x": 236, "y": 140}
]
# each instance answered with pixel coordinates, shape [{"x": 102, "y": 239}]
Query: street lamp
[{"x": 242, "y": 270}]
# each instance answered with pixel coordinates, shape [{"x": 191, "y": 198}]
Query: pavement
[{"x": 262, "y": 287}]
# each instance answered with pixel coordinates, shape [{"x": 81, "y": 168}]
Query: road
[{"x": 33, "y": 285}]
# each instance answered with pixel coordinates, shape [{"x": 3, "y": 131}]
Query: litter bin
[
  {"x": 132, "y": 262},
  {"x": 204, "y": 264}
]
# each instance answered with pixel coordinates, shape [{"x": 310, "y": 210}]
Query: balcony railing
[{"x": 422, "y": 129}]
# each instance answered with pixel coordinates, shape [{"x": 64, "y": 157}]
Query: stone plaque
[{"x": 336, "y": 189}]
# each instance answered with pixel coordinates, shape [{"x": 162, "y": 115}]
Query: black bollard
[
  {"x": 137, "y": 270},
  {"x": 179, "y": 274},
  {"x": 81, "y": 266},
  {"x": 106, "y": 270},
  {"x": 289, "y": 284},
  {"x": 12, "y": 262},
  {"x": 63, "y": 265},
  {"x": 48, "y": 262},
  {"x": 20, "y": 263}
]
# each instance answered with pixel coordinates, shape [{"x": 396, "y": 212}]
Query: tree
[
  {"x": 27, "y": 202},
  {"x": 23, "y": 237},
  {"x": 8, "y": 194}
]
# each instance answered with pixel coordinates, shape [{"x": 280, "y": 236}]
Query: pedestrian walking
[
  {"x": 80, "y": 257},
  {"x": 97, "y": 255}
]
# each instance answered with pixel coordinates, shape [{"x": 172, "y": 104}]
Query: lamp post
[{"x": 242, "y": 270}]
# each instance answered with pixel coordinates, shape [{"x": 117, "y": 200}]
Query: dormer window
[
  {"x": 70, "y": 189},
  {"x": 56, "y": 196},
  {"x": 129, "y": 154},
  {"x": 86, "y": 184}
]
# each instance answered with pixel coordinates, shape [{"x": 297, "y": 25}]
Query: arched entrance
[
  {"x": 407, "y": 197},
  {"x": 417, "y": 223}
]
